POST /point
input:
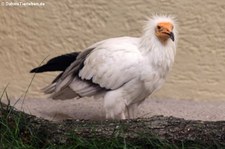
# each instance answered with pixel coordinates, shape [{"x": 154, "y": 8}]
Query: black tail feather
[{"x": 59, "y": 63}]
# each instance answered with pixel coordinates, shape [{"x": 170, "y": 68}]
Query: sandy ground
[{"x": 88, "y": 108}]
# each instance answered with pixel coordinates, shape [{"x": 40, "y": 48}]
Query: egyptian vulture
[{"x": 125, "y": 70}]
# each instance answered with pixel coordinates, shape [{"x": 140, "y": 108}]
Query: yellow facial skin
[{"x": 164, "y": 31}]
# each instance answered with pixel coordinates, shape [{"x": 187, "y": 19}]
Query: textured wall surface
[{"x": 30, "y": 34}]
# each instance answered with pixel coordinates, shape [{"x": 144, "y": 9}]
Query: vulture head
[{"x": 161, "y": 28}]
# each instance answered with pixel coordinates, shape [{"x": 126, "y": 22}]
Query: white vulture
[{"x": 125, "y": 70}]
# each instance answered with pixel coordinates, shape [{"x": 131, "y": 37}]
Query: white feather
[{"x": 113, "y": 63}]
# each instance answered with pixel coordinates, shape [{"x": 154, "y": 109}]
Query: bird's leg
[
  {"x": 109, "y": 115},
  {"x": 132, "y": 111},
  {"x": 123, "y": 116},
  {"x": 115, "y": 107}
]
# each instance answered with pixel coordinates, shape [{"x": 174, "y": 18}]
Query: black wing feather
[{"x": 59, "y": 63}]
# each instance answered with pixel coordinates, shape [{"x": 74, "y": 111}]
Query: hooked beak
[{"x": 171, "y": 36}]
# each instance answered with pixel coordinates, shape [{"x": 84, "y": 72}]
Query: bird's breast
[{"x": 153, "y": 75}]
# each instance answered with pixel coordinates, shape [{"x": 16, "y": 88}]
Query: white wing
[
  {"x": 113, "y": 63},
  {"x": 106, "y": 65}
]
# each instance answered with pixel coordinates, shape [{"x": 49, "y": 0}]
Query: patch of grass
[{"x": 14, "y": 131}]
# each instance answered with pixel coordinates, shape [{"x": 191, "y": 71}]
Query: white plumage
[{"x": 125, "y": 69}]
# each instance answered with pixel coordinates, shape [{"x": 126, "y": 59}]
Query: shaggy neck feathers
[{"x": 161, "y": 53}]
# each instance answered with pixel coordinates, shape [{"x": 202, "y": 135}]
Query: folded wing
[{"x": 107, "y": 66}]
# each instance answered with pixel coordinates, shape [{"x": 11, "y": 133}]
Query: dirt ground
[{"x": 89, "y": 108}]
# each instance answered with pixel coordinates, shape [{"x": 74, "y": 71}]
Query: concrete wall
[{"x": 30, "y": 34}]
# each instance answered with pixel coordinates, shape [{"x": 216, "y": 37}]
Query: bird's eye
[{"x": 159, "y": 27}]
